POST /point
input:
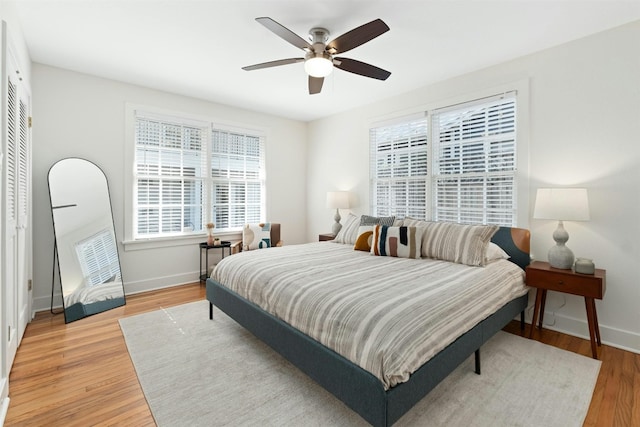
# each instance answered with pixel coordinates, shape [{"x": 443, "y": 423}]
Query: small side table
[
  {"x": 545, "y": 278},
  {"x": 325, "y": 237},
  {"x": 204, "y": 246}
]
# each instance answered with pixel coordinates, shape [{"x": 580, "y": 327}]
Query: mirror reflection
[{"x": 85, "y": 240}]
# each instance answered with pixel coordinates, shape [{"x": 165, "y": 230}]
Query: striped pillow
[
  {"x": 463, "y": 244},
  {"x": 349, "y": 230},
  {"x": 402, "y": 242}
]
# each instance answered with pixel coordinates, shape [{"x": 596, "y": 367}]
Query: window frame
[
  {"x": 521, "y": 186},
  {"x": 131, "y": 112}
]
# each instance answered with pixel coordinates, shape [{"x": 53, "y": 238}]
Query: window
[
  {"x": 462, "y": 170},
  {"x": 237, "y": 189},
  {"x": 400, "y": 169},
  {"x": 189, "y": 173}
]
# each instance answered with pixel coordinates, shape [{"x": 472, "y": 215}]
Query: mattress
[{"x": 387, "y": 315}]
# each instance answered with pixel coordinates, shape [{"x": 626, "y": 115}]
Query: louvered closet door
[
  {"x": 11, "y": 221},
  {"x": 24, "y": 201},
  {"x": 15, "y": 210}
]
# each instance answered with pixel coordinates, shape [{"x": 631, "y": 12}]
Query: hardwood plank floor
[{"x": 81, "y": 374}]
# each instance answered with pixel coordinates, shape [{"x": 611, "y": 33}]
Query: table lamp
[
  {"x": 562, "y": 204},
  {"x": 337, "y": 200}
]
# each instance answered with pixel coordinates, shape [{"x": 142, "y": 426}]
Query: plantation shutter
[
  {"x": 474, "y": 149},
  {"x": 399, "y": 169},
  {"x": 237, "y": 173},
  {"x": 98, "y": 257},
  {"x": 170, "y": 177}
]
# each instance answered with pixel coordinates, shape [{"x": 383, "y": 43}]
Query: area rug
[{"x": 200, "y": 372}]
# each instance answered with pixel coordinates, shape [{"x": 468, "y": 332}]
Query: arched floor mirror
[{"x": 85, "y": 242}]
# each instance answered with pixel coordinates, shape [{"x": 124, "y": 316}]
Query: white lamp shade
[
  {"x": 338, "y": 199},
  {"x": 563, "y": 204}
]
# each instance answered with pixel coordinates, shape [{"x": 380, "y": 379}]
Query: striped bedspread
[{"x": 387, "y": 315}]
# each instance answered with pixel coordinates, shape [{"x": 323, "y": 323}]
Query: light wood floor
[{"x": 80, "y": 374}]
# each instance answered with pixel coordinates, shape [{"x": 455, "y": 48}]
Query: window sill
[{"x": 167, "y": 242}]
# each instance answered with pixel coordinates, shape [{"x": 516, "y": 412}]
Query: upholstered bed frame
[{"x": 357, "y": 388}]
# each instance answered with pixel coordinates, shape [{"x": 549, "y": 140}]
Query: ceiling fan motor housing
[{"x": 318, "y": 35}]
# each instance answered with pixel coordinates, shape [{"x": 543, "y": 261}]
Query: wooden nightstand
[
  {"x": 545, "y": 278},
  {"x": 325, "y": 237}
]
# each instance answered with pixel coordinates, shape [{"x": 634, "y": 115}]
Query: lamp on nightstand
[
  {"x": 337, "y": 200},
  {"x": 562, "y": 204}
]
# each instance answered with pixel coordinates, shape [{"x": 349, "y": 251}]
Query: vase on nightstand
[{"x": 210, "y": 239}]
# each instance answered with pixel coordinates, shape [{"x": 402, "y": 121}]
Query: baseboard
[
  {"x": 618, "y": 338},
  {"x": 3, "y": 410},
  {"x": 131, "y": 288}
]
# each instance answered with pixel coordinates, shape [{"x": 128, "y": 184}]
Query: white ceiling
[{"x": 197, "y": 47}]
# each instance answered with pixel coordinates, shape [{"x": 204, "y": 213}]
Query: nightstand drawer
[{"x": 591, "y": 286}]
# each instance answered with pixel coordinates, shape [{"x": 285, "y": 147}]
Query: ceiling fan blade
[
  {"x": 362, "y": 68},
  {"x": 315, "y": 84},
  {"x": 357, "y": 36},
  {"x": 272, "y": 64},
  {"x": 285, "y": 33}
]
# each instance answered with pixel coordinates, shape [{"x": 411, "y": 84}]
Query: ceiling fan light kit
[
  {"x": 318, "y": 66},
  {"x": 319, "y": 59}
]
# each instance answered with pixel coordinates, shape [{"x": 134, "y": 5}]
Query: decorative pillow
[
  {"x": 256, "y": 236},
  {"x": 464, "y": 244},
  {"x": 364, "y": 239},
  {"x": 375, "y": 220},
  {"x": 413, "y": 222},
  {"x": 402, "y": 242},
  {"x": 349, "y": 230},
  {"x": 495, "y": 252}
]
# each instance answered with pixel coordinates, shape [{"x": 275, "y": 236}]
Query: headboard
[{"x": 516, "y": 243}]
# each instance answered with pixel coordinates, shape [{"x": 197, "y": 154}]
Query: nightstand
[
  {"x": 545, "y": 278},
  {"x": 325, "y": 237},
  {"x": 204, "y": 246}
]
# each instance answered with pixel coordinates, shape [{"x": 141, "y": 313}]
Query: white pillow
[{"x": 495, "y": 252}]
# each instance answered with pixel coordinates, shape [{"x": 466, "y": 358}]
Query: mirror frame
[{"x": 101, "y": 299}]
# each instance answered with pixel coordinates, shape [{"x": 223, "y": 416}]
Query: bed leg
[
  {"x": 478, "y": 361},
  {"x": 522, "y": 320},
  {"x": 210, "y": 310}
]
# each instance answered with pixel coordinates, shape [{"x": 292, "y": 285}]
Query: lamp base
[
  {"x": 336, "y": 225},
  {"x": 561, "y": 256}
]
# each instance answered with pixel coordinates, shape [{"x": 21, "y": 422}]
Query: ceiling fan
[{"x": 320, "y": 58}]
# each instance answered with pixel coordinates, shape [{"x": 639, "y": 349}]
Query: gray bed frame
[{"x": 357, "y": 388}]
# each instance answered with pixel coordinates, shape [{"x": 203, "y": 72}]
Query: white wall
[
  {"x": 77, "y": 115},
  {"x": 584, "y": 127}
]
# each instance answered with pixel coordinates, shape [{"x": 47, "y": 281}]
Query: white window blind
[
  {"x": 170, "y": 175},
  {"x": 399, "y": 169},
  {"x": 237, "y": 173},
  {"x": 458, "y": 164},
  {"x": 474, "y": 154},
  {"x": 190, "y": 173},
  {"x": 98, "y": 257}
]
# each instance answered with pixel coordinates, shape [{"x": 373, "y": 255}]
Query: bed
[{"x": 379, "y": 387}]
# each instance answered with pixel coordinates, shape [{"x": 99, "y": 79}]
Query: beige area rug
[{"x": 200, "y": 372}]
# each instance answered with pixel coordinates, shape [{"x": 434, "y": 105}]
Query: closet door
[
  {"x": 23, "y": 230},
  {"x": 10, "y": 226},
  {"x": 15, "y": 209}
]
